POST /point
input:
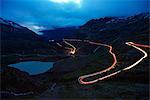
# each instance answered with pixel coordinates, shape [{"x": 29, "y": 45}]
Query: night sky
[{"x": 47, "y": 14}]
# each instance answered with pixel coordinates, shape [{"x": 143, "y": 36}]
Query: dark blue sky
[{"x": 45, "y": 14}]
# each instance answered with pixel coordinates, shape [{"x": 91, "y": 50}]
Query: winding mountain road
[
  {"x": 134, "y": 45},
  {"x": 72, "y": 49},
  {"x": 81, "y": 78}
]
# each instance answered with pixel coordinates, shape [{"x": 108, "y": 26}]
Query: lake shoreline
[{"x": 33, "y": 67}]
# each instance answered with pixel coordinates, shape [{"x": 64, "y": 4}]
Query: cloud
[
  {"x": 34, "y": 27},
  {"x": 66, "y": 1},
  {"x": 40, "y": 14},
  {"x": 76, "y": 2},
  {"x": 38, "y": 27}
]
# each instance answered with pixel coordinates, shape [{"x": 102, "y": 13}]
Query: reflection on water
[{"x": 33, "y": 67}]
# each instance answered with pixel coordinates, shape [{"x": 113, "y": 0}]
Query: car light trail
[
  {"x": 139, "y": 45},
  {"x": 73, "y": 49},
  {"x": 64, "y": 47},
  {"x": 100, "y": 44},
  {"x": 74, "y": 40},
  {"x": 135, "y": 45},
  {"x": 81, "y": 78},
  {"x": 59, "y": 44}
]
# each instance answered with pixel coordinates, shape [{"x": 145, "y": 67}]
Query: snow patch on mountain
[{"x": 10, "y": 23}]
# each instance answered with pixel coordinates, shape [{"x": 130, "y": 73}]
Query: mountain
[
  {"x": 113, "y": 31},
  {"x": 18, "y": 39},
  {"x": 109, "y": 29},
  {"x": 58, "y": 33},
  {"x": 62, "y": 80}
]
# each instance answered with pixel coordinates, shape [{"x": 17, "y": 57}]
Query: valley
[{"x": 98, "y": 62}]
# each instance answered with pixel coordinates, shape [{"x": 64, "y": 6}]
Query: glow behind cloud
[
  {"x": 76, "y": 2},
  {"x": 66, "y": 1}
]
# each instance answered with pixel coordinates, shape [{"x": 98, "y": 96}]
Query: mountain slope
[
  {"x": 18, "y": 39},
  {"x": 109, "y": 29},
  {"x": 58, "y": 33}
]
